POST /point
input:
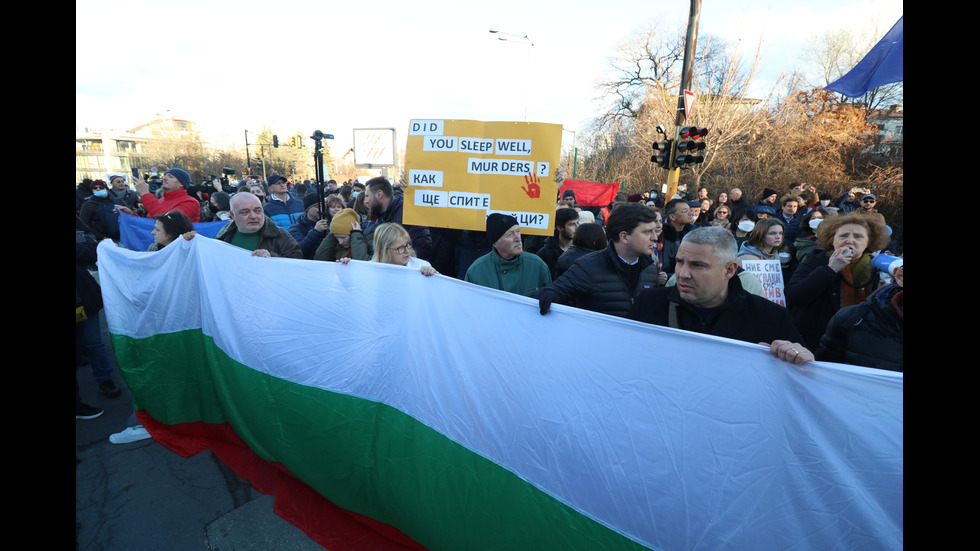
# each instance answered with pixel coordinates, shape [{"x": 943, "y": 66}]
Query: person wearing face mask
[
  {"x": 825, "y": 200},
  {"x": 744, "y": 220},
  {"x": 836, "y": 274},
  {"x": 98, "y": 212},
  {"x": 806, "y": 237}
]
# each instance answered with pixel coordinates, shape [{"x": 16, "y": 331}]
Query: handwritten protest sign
[
  {"x": 770, "y": 275},
  {"x": 460, "y": 171}
]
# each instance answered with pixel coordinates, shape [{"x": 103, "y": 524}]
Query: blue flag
[
  {"x": 134, "y": 232},
  {"x": 882, "y": 65}
]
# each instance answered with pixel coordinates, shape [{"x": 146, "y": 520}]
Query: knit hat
[
  {"x": 768, "y": 192},
  {"x": 309, "y": 200},
  {"x": 181, "y": 175},
  {"x": 497, "y": 226},
  {"x": 342, "y": 222},
  {"x": 568, "y": 193}
]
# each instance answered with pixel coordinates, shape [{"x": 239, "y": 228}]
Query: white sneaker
[{"x": 130, "y": 434}]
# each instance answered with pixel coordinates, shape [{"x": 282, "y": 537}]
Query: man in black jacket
[
  {"x": 677, "y": 223},
  {"x": 566, "y": 223},
  {"x": 608, "y": 280},
  {"x": 709, "y": 299}
]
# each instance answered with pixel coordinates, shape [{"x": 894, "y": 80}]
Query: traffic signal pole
[{"x": 674, "y": 172}]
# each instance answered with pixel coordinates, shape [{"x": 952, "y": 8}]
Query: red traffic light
[{"x": 693, "y": 132}]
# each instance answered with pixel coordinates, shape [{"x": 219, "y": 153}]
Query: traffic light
[
  {"x": 661, "y": 153},
  {"x": 690, "y": 147}
]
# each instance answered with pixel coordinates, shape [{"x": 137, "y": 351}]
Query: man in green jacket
[
  {"x": 505, "y": 267},
  {"x": 252, "y": 230}
]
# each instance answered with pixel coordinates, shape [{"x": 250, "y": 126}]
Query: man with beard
[
  {"x": 566, "y": 223},
  {"x": 384, "y": 206}
]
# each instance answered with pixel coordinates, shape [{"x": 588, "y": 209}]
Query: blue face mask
[
  {"x": 355, "y": 194},
  {"x": 100, "y": 193}
]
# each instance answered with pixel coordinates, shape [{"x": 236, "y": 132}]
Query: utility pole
[
  {"x": 248, "y": 159},
  {"x": 674, "y": 172}
]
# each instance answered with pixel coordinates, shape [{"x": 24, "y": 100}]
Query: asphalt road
[{"x": 143, "y": 497}]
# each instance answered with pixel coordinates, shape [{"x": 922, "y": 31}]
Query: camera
[{"x": 227, "y": 171}]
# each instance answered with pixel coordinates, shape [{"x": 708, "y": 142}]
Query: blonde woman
[{"x": 393, "y": 245}]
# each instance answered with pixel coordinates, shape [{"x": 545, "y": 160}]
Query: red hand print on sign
[{"x": 533, "y": 190}]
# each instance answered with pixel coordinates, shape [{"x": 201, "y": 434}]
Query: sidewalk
[{"x": 143, "y": 496}]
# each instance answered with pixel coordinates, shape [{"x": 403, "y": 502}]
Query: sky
[{"x": 301, "y": 65}]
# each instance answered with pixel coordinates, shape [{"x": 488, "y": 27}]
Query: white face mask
[
  {"x": 746, "y": 225},
  {"x": 814, "y": 222},
  {"x": 824, "y": 202}
]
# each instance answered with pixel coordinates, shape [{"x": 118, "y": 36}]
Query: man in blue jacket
[{"x": 282, "y": 206}]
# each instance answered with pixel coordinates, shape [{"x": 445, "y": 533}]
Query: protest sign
[
  {"x": 770, "y": 275},
  {"x": 460, "y": 171}
]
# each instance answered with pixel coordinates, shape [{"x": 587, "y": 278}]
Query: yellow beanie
[{"x": 342, "y": 221}]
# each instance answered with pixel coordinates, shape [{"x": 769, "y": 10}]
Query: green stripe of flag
[{"x": 362, "y": 455}]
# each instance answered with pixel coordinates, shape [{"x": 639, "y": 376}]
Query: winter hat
[
  {"x": 309, "y": 200},
  {"x": 497, "y": 225},
  {"x": 181, "y": 175},
  {"x": 342, "y": 222},
  {"x": 634, "y": 198},
  {"x": 568, "y": 193},
  {"x": 768, "y": 192}
]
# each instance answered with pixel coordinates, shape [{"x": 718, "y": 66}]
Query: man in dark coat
[
  {"x": 608, "y": 280},
  {"x": 709, "y": 299},
  {"x": 677, "y": 223},
  {"x": 566, "y": 223}
]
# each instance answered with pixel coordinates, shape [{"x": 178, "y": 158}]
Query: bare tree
[{"x": 642, "y": 92}]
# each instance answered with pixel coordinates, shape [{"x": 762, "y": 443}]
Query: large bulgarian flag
[{"x": 389, "y": 410}]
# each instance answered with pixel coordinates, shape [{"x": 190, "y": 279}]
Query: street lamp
[
  {"x": 575, "y": 149},
  {"x": 519, "y": 39}
]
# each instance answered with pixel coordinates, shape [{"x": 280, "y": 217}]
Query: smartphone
[{"x": 136, "y": 173}]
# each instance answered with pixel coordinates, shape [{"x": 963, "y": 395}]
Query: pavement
[{"x": 143, "y": 497}]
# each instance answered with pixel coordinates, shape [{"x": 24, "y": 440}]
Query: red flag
[{"x": 590, "y": 194}]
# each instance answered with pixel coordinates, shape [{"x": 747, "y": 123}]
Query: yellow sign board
[{"x": 461, "y": 171}]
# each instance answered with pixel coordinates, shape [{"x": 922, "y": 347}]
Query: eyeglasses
[
  {"x": 403, "y": 249},
  {"x": 98, "y": 187},
  {"x": 869, "y": 201}
]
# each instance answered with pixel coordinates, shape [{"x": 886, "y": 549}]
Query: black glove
[{"x": 545, "y": 298}]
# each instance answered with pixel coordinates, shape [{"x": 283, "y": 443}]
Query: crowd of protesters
[{"x": 669, "y": 261}]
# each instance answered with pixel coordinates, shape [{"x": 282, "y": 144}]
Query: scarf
[{"x": 857, "y": 278}]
